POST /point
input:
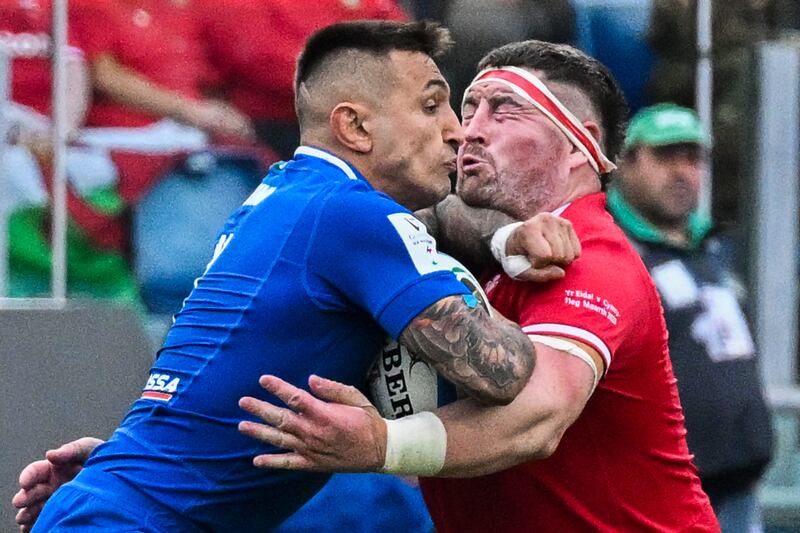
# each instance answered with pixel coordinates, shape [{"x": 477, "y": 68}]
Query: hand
[
  {"x": 344, "y": 433},
  {"x": 40, "y": 479},
  {"x": 219, "y": 118},
  {"x": 550, "y": 242}
]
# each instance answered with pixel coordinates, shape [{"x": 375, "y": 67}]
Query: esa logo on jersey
[{"x": 160, "y": 387}]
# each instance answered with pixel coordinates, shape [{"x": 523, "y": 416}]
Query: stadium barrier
[
  {"x": 65, "y": 373},
  {"x": 774, "y": 252},
  {"x": 5, "y": 96}
]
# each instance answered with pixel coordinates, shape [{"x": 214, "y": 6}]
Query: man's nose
[
  {"x": 688, "y": 166},
  {"x": 452, "y": 132},
  {"x": 475, "y": 128}
]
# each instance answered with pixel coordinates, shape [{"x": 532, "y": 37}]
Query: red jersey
[
  {"x": 25, "y": 33},
  {"x": 624, "y": 464},
  {"x": 160, "y": 40},
  {"x": 255, "y": 43}
]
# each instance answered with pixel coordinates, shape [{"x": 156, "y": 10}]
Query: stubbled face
[
  {"x": 514, "y": 158},
  {"x": 663, "y": 183},
  {"x": 417, "y": 133}
]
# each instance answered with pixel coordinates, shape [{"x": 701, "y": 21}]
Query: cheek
[
  {"x": 524, "y": 154},
  {"x": 652, "y": 187},
  {"x": 426, "y": 155},
  {"x": 695, "y": 176}
]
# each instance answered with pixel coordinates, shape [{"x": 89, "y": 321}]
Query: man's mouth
[{"x": 470, "y": 163}]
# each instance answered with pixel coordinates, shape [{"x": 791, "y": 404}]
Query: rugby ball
[{"x": 401, "y": 384}]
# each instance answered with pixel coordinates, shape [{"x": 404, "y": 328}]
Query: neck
[
  {"x": 356, "y": 159},
  {"x": 677, "y": 235},
  {"x": 581, "y": 182}
]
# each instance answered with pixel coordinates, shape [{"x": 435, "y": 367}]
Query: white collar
[
  {"x": 557, "y": 212},
  {"x": 329, "y": 157}
]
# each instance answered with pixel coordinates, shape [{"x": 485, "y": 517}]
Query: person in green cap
[{"x": 655, "y": 202}]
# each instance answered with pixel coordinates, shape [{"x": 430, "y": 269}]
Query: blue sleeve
[{"x": 369, "y": 252}]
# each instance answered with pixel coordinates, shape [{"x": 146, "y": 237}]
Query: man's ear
[
  {"x": 577, "y": 158},
  {"x": 594, "y": 130},
  {"x": 348, "y": 123}
]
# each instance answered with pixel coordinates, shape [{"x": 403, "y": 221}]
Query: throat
[{"x": 676, "y": 236}]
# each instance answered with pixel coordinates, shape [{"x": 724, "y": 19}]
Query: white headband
[{"x": 536, "y": 93}]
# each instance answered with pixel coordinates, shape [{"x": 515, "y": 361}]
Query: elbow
[
  {"x": 547, "y": 448},
  {"x": 492, "y": 395},
  {"x": 104, "y": 74},
  {"x": 539, "y": 446}
]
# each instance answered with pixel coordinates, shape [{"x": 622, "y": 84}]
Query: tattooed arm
[
  {"x": 335, "y": 429},
  {"x": 463, "y": 231},
  {"x": 548, "y": 241},
  {"x": 490, "y": 358}
]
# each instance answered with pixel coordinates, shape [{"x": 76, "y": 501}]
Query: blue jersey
[{"x": 308, "y": 276}]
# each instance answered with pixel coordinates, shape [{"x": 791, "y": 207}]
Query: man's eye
[{"x": 431, "y": 107}]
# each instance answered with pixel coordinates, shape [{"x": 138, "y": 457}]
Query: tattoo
[
  {"x": 491, "y": 359},
  {"x": 466, "y": 232}
]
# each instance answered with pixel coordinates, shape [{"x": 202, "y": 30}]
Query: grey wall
[{"x": 63, "y": 374}]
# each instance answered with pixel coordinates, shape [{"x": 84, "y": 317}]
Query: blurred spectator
[
  {"x": 93, "y": 269},
  {"x": 148, "y": 62},
  {"x": 480, "y": 25},
  {"x": 254, "y": 45},
  {"x": 737, "y": 26},
  {"x": 728, "y": 425},
  {"x": 151, "y": 120}
]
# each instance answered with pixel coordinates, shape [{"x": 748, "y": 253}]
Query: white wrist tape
[
  {"x": 513, "y": 265},
  {"x": 572, "y": 349},
  {"x": 416, "y": 445}
]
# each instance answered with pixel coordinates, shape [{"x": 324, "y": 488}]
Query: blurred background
[{"x": 123, "y": 151}]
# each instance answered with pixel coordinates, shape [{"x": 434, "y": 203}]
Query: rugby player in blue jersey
[{"x": 308, "y": 276}]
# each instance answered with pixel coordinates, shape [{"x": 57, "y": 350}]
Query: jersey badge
[{"x": 420, "y": 244}]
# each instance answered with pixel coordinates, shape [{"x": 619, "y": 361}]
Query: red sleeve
[{"x": 597, "y": 302}]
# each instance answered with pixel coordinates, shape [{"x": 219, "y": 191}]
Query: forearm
[
  {"x": 333, "y": 431},
  {"x": 482, "y": 440},
  {"x": 465, "y": 232},
  {"x": 489, "y": 358},
  {"x": 129, "y": 88}
]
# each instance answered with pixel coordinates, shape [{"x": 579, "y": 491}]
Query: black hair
[
  {"x": 566, "y": 64},
  {"x": 372, "y": 36}
]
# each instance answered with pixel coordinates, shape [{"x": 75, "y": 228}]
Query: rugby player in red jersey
[{"x": 596, "y": 440}]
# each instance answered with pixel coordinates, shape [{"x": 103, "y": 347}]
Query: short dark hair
[
  {"x": 564, "y": 63},
  {"x": 372, "y": 36}
]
